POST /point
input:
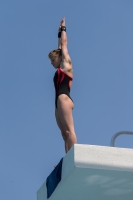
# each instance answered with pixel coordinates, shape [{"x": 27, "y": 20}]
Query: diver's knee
[
  {"x": 69, "y": 133},
  {"x": 64, "y": 136}
]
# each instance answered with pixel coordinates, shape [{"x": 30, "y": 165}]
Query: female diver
[{"x": 63, "y": 77}]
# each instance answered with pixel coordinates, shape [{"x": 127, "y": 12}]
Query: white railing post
[{"x": 117, "y": 134}]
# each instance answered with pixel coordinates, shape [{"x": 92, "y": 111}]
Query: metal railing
[{"x": 117, "y": 134}]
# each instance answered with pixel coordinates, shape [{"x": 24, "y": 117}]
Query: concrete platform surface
[{"x": 92, "y": 172}]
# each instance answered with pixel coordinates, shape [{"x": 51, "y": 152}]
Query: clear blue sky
[{"x": 100, "y": 37}]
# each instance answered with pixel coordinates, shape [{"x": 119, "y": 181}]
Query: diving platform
[{"x": 92, "y": 172}]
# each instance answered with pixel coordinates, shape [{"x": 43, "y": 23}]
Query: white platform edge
[
  {"x": 94, "y": 157},
  {"x": 103, "y": 157}
]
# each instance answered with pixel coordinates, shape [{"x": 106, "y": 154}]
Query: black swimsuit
[{"x": 61, "y": 83}]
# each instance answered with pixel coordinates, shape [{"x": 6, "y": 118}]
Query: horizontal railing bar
[{"x": 112, "y": 143}]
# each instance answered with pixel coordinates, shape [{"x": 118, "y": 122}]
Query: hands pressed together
[{"x": 62, "y": 23}]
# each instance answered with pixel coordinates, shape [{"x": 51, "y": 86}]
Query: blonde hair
[{"x": 56, "y": 52}]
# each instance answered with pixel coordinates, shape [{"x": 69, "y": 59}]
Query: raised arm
[
  {"x": 59, "y": 37},
  {"x": 65, "y": 55}
]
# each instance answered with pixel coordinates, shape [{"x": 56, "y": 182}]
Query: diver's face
[{"x": 55, "y": 61}]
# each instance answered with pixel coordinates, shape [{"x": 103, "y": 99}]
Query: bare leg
[
  {"x": 65, "y": 106},
  {"x": 61, "y": 129}
]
